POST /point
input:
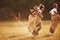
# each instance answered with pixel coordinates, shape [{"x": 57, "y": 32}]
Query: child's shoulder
[
  {"x": 30, "y": 15},
  {"x": 54, "y": 9},
  {"x": 40, "y": 11}
]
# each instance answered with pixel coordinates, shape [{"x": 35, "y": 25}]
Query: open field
[{"x": 18, "y": 30}]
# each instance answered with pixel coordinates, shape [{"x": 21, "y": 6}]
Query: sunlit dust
[{"x": 15, "y": 30}]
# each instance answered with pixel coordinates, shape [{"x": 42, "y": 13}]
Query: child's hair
[
  {"x": 41, "y": 6},
  {"x": 35, "y": 7},
  {"x": 55, "y": 4}
]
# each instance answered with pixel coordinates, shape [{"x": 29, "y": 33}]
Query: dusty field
[{"x": 16, "y": 30}]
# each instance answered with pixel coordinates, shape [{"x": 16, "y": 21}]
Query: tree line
[{"x": 7, "y": 7}]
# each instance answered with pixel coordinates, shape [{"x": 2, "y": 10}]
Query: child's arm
[
  {"x": 40, "y": 15},
  {"x": 58, "y": 16},
  {"x": 31, "y": 10},
  {"x": 34, "y": 13},
  {"x": 49, "y": 13}
]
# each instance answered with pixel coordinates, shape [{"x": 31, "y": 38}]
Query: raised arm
[{"x": 40, "y": 15}]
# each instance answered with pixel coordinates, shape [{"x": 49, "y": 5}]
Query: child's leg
[
  {"x": 53, "y": 26},
  {"x": 39, "y": 27},
  {"x": 36, "y": 30}
]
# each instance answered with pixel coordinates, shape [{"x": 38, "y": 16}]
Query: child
[
  {"x": 38, "y": 17},
  {"x": 32, "y": 19},
  {"x": 54, "y": 18}
]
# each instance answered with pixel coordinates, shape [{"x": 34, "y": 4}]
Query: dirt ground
[{"x": 18, "y": 30}]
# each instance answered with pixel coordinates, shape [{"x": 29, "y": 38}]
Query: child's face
[
  {"x": 35, "y": 8},
  {"x": 56, "y": 6},
  {"x": 42, "y": 9}
]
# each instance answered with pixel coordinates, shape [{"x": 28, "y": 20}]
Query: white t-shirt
[
  {"x": 53, "y": 11},
  {"x": 37, "y": 17},
  {"x": 39, "y": 11}
]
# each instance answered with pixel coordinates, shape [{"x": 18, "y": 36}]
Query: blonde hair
[
  {"x": 36, "y": 7},
  {"x": 55, "y": 4}
]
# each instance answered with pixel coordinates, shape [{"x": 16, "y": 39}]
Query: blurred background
[
  {"x": 12, "y": 10},
  {"x": 20, "y": 9}
]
